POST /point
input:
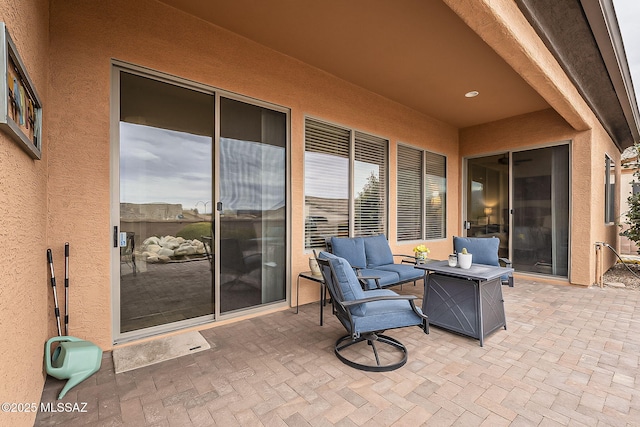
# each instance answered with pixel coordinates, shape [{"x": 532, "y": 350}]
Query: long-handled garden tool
[
  {"x": 73, "y": 359},
  {"x": 56, "y": 309},
  {"x": 66, "y": 288}
]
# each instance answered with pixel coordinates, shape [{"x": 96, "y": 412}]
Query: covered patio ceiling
[
  {"x": 415, "y": 52},
  {"x": 422, "y": 55}
]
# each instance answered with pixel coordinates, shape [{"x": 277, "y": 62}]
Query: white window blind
[
  {"x": 421, "y": 204},
  {"x": 345, "y": 188},
  {"x": 326, "y": 162},
  {"x": 409, "y": 193},
  {"x": 369, "y": 185},
  {"x": 436, "y": 192}
]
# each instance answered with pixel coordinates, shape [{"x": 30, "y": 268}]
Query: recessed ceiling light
[{"x": 472, "y": 94}]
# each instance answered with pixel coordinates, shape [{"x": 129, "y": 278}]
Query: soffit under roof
[
  {"x": 415, "y": 52},
  {"x": 584, "y": 37}
]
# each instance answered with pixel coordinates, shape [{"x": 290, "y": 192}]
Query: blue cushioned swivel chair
[
  {"x": 366, "y": 315},
  {"x": 484, "y": 251}
]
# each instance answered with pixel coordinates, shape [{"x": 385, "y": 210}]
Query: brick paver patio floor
[{"x": 570, "y": 356}]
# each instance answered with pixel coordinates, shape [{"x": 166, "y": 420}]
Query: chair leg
[
  {"x": 372, "y": 339},
  {"x": 375, "y": 351},
  {"x": 425, "y": 326}
]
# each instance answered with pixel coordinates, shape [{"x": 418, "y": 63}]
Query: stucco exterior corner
[{"x": 27, "y": 315}]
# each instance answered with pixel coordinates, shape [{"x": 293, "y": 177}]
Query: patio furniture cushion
[
  {"x": 381, "y": 315},
  {"x": 484, "y": 250},
  {"x": 385, "y": 277},
  {"x": 371, "y": 256},
  {"x": 377, "y": 251},
  {"x": 405, "y": 272},
  {"x": 347, "y": 280},
  {"x": 351, "y": 249}
]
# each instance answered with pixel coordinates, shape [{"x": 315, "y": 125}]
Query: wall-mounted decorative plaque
[{"x": 20, "y": 107}]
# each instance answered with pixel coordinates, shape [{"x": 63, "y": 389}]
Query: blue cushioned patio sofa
[{"x": 371, "y": 257}]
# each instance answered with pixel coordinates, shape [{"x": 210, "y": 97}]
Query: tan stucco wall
[
  {"x": 84, "y": 38},
  {"x": 25, "y": 293},
  {"x": 601, "y": 144}
]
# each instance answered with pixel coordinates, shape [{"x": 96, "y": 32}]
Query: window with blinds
[
  {"x": 435, "y": 183},
  {"x": 609, "y": 189},
  {"x": 409, "y": 225},
  {"x": 369, "y": 185},
  {"x": 345, "y": 183},
  {"x": 422, "y": 190}
]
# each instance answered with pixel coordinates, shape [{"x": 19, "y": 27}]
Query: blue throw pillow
[
  {"x": 377, "y": 251},
  {"x": 351, "y": 249}
]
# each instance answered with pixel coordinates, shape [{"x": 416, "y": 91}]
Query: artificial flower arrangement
[{"x": 421, "y": 251}]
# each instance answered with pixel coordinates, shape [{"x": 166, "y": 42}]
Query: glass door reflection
[
  {"x": 202, "y": 218},
  {"x": 252, "y": 205},
  {"x": 487, "y": 212},
  {"x": 541, "y": 210},
  {"x": 166, "y": 140}
]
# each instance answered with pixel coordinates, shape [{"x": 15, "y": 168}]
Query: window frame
[{"x": 609, "y": 190}]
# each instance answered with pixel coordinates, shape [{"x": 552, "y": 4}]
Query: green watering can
[{"x": 74, "y": 359}]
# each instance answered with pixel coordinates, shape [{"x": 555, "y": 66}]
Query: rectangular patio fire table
[{"x": 468, "y": 301}]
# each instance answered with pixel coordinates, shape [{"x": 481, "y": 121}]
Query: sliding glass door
[
  {"x": 541, "y": 210},
  {"x": 523, "y": 199},
  {"x": 487, "y": 196},
  {"x": 199, "y": 206},
  {"x": 252, "y": 205},
  {"x": 166, "y": 182}
]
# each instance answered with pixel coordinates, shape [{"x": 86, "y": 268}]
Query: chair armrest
[
  {"x": 506, "y": 261},
  {"x": 363, "y": 282},
  {"x": 379, "y": 298},
  {"x": 407, "y": 259},
  {"x": 362, "y": 279}
]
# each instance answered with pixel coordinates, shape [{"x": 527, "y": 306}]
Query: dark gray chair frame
[
  {"x": 128, "y": 253},
  {"x": 342, "y": 310}
]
